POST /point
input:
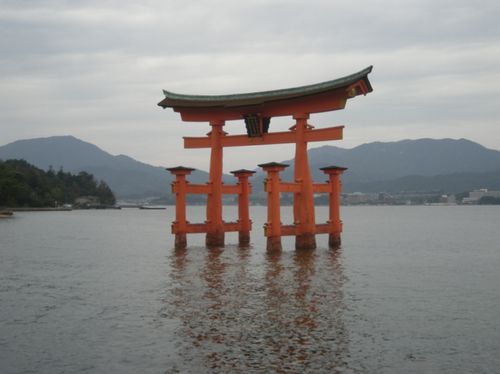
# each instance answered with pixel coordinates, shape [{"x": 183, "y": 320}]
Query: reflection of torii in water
[
  {"x": 257, "y": 109},
  {"x": 235, "y": 318},
  {"x": 308, "y": 309}
]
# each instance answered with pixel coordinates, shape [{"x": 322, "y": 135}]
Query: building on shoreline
[
  {"x": 476, "y": 196},
  {"x": 398, "y": 198}
]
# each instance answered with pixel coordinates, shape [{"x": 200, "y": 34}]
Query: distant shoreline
[
  {"x": 41, "y": 209},
  {"x": 59, "y": 209}
]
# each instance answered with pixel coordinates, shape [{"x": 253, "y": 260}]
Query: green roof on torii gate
[{"x": 270, "y": 103}]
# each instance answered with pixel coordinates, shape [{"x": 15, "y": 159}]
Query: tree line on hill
[{"x": 24, "y": 185}]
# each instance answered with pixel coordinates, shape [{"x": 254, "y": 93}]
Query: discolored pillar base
[
  {"x": 305, "y": 241},
  {"x": 334, "y": 240},
  {"x": 244, "y": 238},
  {"x": 274, "y": 243},
  {"x": 215, "y": 239},
  {"x": 180, "y": 241}
]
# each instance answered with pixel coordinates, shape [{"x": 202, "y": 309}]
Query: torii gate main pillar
[
  {"x": 303, "y": 201},
  {"x": 215, "y": 224}
]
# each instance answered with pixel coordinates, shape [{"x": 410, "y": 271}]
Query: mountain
[
  {"x": 447, "y": 183},
  {"x": 379, "y": 161},
  {"x": 384, "y": 166},
  {"x": 424, "y": 164},
  {"x": 127, "y": 177}
]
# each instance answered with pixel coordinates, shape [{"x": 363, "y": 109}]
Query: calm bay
[{"x": 412, "y": 290}]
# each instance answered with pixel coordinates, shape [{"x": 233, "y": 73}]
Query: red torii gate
[{"x": 257, "y": 109}]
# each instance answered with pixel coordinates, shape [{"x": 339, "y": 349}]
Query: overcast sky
[{"x": 95, "y": 69}]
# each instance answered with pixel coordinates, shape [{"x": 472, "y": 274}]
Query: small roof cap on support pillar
[
  {"x": 180, "y": 170},
  {"x": 332, "y": 169},
  {"x": 273, "y": 164},
  {"x": 242, "y": 172}
]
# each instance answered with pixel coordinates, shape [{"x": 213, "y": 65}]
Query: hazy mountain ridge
[
  {"x": 126, "y": 176},
  {"x": 447, "y": 164},
  {"x": 390, "y": 160},
  {"x": 448, "y": 183},
  {"x": 422, "y": 164}
]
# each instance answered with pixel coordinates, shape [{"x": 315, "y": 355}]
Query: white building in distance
[{"x": 476, "y": 195}]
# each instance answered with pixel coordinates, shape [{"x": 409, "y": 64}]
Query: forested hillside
[
  {"x": 128, "y": 178},
  {"x": 24, "y": 185}
]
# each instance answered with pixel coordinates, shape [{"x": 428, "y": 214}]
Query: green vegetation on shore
[{"x": 24, "y": 185}]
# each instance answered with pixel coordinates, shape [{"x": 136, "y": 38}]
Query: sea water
[{"x": 412, "y": 290}]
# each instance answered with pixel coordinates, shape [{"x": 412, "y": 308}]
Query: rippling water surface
[{"x": 412, "y": 290}]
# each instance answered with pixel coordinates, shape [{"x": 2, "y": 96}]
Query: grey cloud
[{"x": 96, "y": 68}]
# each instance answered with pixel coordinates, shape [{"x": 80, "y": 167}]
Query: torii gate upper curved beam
[{"x": 315, "y": 98}]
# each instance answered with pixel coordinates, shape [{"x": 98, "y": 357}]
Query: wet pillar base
[
  {"x": 274, "y": 243},
  {"x": 180, "y": 241},
  {"x": 214, "y": 239},
  {"x": 244, "y": 238},
  {"x": 334, "y": 240},
  {"x": 305, "y": 241}
]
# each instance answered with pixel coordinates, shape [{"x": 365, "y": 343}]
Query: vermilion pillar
[
  {"x": 272, "y": 228},
  {"x": 244, "y": 222},
  {"x": 334, "y": 173},
  {"x": 303, "y": 201},
  {"x": 179, "y": 226},
  {"x": 215, "y": 232}
]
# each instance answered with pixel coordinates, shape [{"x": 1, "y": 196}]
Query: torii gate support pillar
[
  {"x": 179, "y": 187},
  {"x": 272, "y": 228},
  {"x": 244, "y": 222},
  {"x": 335, "y": 229}
]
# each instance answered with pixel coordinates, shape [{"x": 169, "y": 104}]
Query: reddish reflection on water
[{"x": 245, "y": 311}]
